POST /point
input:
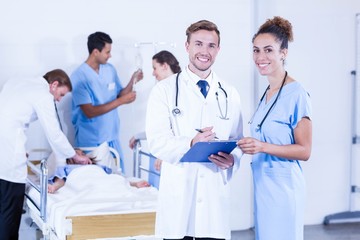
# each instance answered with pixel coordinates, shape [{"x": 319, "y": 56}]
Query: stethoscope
[
  {"x": 176, "y": 111},
  {"x": 57, "y": 115},
  {"x": 258, "y": 127}
]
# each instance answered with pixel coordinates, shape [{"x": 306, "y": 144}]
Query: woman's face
[
  {"x": 161, "y": 71},
  {"x": 267, "y": 55}
]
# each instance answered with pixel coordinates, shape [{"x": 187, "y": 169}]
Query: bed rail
[
  {"x": 139, "y": 167},
  {"x": 42, "y": 173}
]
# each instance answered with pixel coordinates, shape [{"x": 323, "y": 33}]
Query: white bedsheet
[{"x": 90, "y": 191}]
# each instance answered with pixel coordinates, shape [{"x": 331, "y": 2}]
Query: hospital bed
[
  {"x": 144, "y": 162},
  {"x": 101, "y": 207}
]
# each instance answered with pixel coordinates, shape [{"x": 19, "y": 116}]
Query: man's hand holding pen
[
  {"x": 204, "y": 135},
  {"x": 222, "y": 160}
]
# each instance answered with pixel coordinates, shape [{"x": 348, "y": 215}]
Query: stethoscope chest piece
[{"x": 176, "y": 111}]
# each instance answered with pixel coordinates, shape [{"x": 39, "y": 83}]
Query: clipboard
[{"x": 202, "y": 150}]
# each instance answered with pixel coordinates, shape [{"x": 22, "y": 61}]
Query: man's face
[
  {"x": 58, "y": 91},
  {"x": 103, "y": 56},
  {"x": 203, "y": 47}
]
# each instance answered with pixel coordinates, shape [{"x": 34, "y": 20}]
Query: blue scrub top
[
  {"x": 96, "y": 89},
  {"x": 278, "y": 128}
]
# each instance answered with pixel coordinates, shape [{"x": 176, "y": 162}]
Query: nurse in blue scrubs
[
  {"x": 97, "y": 94},
  {"x": 281, "y": 131}
]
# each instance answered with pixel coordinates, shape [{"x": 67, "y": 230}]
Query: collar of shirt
[{"x": 195, "y": 78}]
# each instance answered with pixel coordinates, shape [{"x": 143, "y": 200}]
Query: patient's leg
[
  {"x": 58, "y": 183},
  {"x": 140, "y": 184}
]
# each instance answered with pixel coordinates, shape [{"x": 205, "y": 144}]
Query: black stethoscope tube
[
  {"x": 176, "y": 110},
  {"x": 258, "y": 127}
]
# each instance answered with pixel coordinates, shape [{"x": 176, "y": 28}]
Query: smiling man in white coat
[{"x": 194, "y": 197}]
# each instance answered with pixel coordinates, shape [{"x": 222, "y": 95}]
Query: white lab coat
[
  {"x": 22, "y": 102},
  {"x": 193, "y": 197}
]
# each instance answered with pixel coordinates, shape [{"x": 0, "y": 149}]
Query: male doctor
[
  {"x": 194, "y": 199},
  {"x": 27, "y": 100}
]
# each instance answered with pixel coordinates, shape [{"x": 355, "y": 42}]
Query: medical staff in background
[
  {"x": 97, "y": 94},
  {"x": 281, "y": 132},
  {"x": 194, "y": 198},
  {"x": 164, "y": 65},
  {"x": 23, "y": 102}
]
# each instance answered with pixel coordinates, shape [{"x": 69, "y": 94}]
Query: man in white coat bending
[{"x": 194, "y": 197}]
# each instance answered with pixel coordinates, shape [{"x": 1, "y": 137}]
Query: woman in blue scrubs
[{"x": 281, "y": 131}]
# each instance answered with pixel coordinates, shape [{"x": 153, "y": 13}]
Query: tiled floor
[
  {"x": 340, "y": 231},
  {"x": 28, "y": 231}
]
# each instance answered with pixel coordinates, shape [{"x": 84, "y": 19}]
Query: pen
[{"x": 200, "y": 131}]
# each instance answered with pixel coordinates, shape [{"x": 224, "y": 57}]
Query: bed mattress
[{"x": 90, "y": 191}]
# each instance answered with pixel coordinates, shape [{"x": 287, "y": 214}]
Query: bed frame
[
  {"x": 117, "y": 225},
  {"x": 139, "y": 154},
  {"x": 86, "y": 227}
]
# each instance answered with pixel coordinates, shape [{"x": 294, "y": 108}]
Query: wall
[{"x": 38, "y": 36}]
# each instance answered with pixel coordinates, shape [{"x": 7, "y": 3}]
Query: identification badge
[{"x": 111, "y": 86}]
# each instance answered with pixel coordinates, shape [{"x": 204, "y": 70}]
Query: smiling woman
[{"x": 281, "y": 136}]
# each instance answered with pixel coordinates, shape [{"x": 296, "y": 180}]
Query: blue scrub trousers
[{"x": 154, "y": 179}]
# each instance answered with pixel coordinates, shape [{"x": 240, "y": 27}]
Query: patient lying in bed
[{"x": 58, "y": 180}]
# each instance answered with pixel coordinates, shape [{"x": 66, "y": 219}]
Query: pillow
[
  {"x": 53, "y": 163},
  {"x": 103, "y": 156}
]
